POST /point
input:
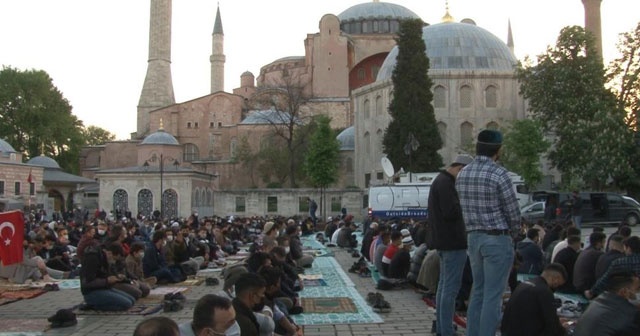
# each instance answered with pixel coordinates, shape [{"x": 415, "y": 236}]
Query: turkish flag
[
  {"x": 11, "y": 237},
  {"x": 30, "y": 178}
]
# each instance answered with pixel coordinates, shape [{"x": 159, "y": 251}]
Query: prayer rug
[
  {"x": 162, "y": 291},
  {"x": 458, "y": 319},
  {"x": 138, "y": 309},
  {"x": 314, "y": 282},
  {"x": 324, "y": 305},
  {"x": 191, "y": 282},
  {"x": 23, "y": 294},
  {"x": 23, "y": 325},
  {"x": 364, "y": 314}
]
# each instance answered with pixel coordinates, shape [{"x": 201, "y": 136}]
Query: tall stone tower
[
  {"x": 157, "y": 90},
  {"x": 217, "y": 58},
  {"x": 592, "y": 21}
]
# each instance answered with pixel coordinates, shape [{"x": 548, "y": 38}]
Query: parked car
[{"x": 532, "y": 212}]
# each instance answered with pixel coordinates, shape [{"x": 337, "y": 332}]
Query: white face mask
[
  {"x": 141, "y": 255},
  {"x": 299, "y": 233},
  {"x": 164, "y": 243},
  {"x": 287, "y": 249},
  {"x": 195, "y": 214},
  {"x": 102, "y": 232},
  {"x": 169, "y": 238}
]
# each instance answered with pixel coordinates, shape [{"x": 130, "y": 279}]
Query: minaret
[
  {"x": 510, "y": 37},
  {"x": 157, "y": 90},
  {"x": 592, "y": 21},
  {"x": 217, "y": 58}
]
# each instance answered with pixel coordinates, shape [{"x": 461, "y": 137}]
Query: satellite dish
[{"x": 387, "y": 166}]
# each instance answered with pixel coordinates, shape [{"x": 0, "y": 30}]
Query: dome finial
[
  {"x": 161, "y": 128},
  {"x": 42, "y": 148},
  {"x": 447, "y": 17}
]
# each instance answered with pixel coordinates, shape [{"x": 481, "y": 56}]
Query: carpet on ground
[
  {"x": 23, "y": 325},
  {"x": 364, "y": 313},
  {"x": 168, "y": 290},
  {"x": 458, "y": 318},
  {"x": 138, "y": 309},
  {"x": 327, "y": 305},
  {"x": 190, "y": 282},
  {"x": 313, "y": 282},
  {"x": 23, "y": 294}
]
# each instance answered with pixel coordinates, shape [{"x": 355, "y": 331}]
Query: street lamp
[{"x": 161, "y": 160}]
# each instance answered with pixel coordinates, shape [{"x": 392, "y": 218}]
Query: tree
[
  {"x": 524, "y": 143},
  {"x": 285, "y": 98},
  {"x": 566, "y": 93},
  {"x": 36, "y": 119},
  {"x": 247, "y": 158},
  {"x": 412, "y": 140},
  {"x": 94, "y": 136},
  {"x": 623, "y": 75}
]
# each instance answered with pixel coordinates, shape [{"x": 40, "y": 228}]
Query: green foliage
[
  {"x": 247, "y": 158},
  {"x": 36, "y": 119},
  {"x": 412, "y": 140},
  {"x": 94, "y": 136},
  {"x": 566, "y": 93},
  {"x": 323, "y": 154},
  {"x": 524, "y": 143}
]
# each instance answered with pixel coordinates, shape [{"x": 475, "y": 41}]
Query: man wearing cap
[
  {"x": 401, "y": 261},
  {"x": 491, "y": 214},
  {"x": 449, "y": 238}
]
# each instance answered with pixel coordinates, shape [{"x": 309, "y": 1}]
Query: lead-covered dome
[
  {"x": 6, "y": 148},
  {"x": 458, "y": 46},
  {"x": 347, "y": 139},
  {"x": 374, "y": 17},
  {"x": 44, "y": 161},
  {"x": 160, "y": 137}
]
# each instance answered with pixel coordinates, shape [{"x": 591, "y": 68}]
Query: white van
[{"x": 410, "y": 199}]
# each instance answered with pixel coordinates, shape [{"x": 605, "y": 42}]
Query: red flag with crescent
[
  {"x": 11, "y": 237},
  {"x": 30, "y": 177}
]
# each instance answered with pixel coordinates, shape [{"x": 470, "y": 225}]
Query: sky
[{"x": 96, "y": 51}]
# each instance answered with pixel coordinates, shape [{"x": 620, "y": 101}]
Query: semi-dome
[
  {"x": 373, "y": 10},
  {"x": 44, "y": 161},
  {"x": 160, "y": 137},
  {"x": 347, "y": 139},
  {"x": 374, "y": 18},
  {"x": 458, "y": 46},
  {"x": 5, "y": 147}
]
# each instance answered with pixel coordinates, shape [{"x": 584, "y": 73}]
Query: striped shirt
[{"x": 487, "y": 197}]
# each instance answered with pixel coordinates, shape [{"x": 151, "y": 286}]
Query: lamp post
[{"x": 160, "y": 160}]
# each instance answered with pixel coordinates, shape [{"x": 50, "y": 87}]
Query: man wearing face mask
[
  {"x": 250, "y": 297},
  {"x": 60, "y": 255},
  {"x": 133, "y": 264},
  {"x": 101, "y": 233},
  {"x": 212, "y": 316},
  {"x": 611, "y": 313},
  {"x": 530, "y": 310},
  {"x": 154, "y": 262}
]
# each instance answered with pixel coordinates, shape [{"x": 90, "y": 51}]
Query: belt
[{"x": 494, "y": 232}]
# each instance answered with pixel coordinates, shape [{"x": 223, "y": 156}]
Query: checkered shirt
[{"x": 487, "y": 197}]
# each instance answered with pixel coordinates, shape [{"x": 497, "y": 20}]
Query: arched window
[
  {"x": 191, "y": 152},
  {"x": 196, "y": 198},
  {"x": 145, "y": 202},
  {"x": 367, "y": 144},
  {"x": 366, "y": 107},
  {"x": 466, "y": 134},
  {"x": 439, "y": 97},
  {"x": 209, "y": 197},
  {"x": 493, "y": 125},
  {"x": 378, "y": 106},
  {"x": 378, "y": 144},
  {"x": 233, "y": 147},
  {"x": 465, "y": 97},
  {"x": 120, "y": 200},
  {"x": 442, "y": 130},
  {"x": 491, "y": 97},
  {"x": 170, "y": 203}
]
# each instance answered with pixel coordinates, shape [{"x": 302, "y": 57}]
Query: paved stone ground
[{"x": 409, "y": 314}]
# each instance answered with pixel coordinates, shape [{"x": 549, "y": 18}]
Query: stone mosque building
[{"x": 182, "y": 156}]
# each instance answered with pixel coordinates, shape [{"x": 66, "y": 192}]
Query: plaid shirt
[
  {"x": 487, "y": 197},
  {"x": 629, "y": 263}
]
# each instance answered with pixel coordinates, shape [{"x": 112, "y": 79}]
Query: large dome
[
  {"x": 347, "y": 139},
  {"x": 44, "y": 161},
  {"x": 374, "y": 10},
  {"x": 458, "y": 46},
  {"x": 374, "y": 18},
  {"x": 160, "y": 137},
  {"x": 5, "y": 147}
]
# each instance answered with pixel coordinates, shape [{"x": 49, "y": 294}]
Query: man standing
[
  {"x": 450, "y": 239},
  {"x": 491, "y": 213},
  {"x": 531, "y": 310},
  {"x": 313, "y": 207},
  {"x": 576, "y": 206}
]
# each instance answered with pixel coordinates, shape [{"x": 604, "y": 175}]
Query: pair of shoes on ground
[
  {"x": 378, "y": 303},
  {"x": 51, "y": 287},
  {"x": 173, "y": 302},
  {"x": 211, "y": 281}
]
